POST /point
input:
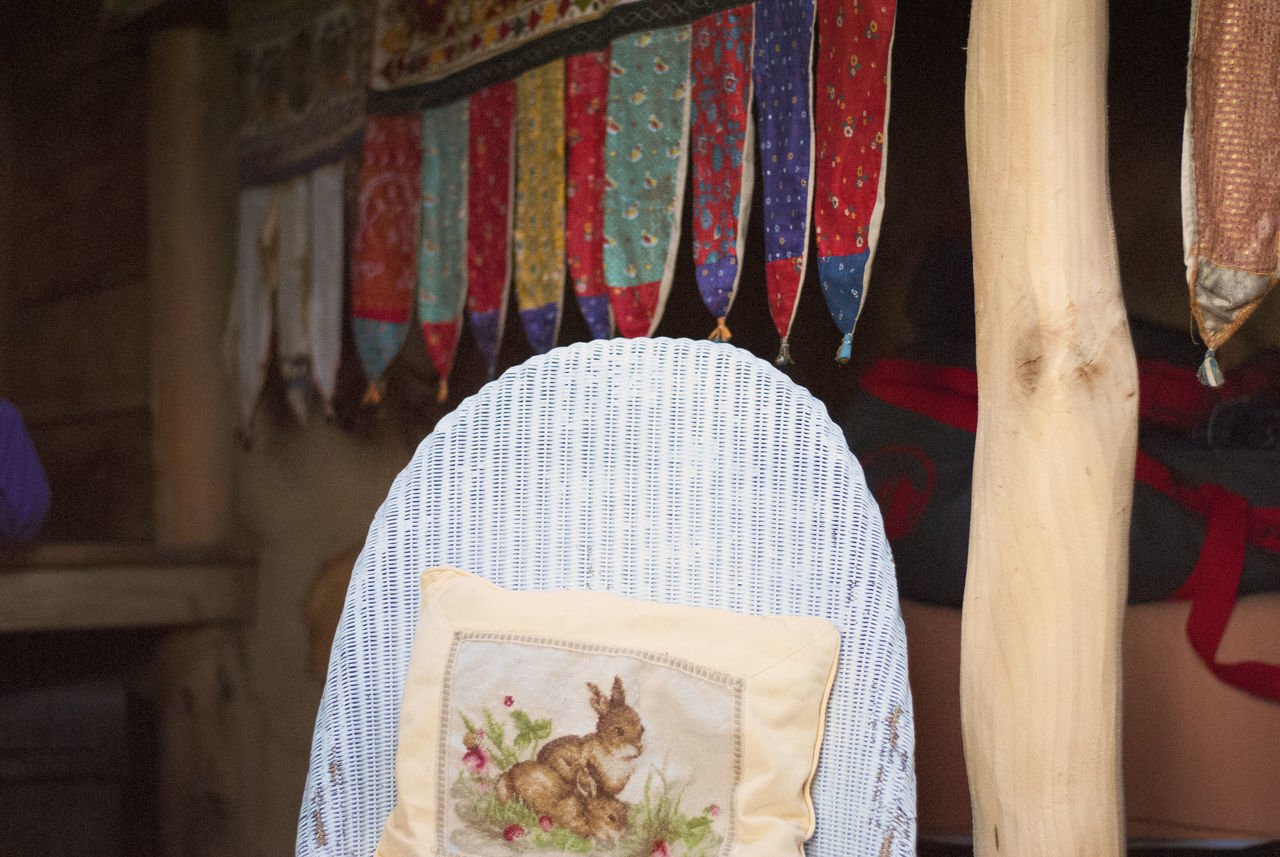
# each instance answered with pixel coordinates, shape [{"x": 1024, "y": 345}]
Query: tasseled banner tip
[
  {"x": 721, "y": 333},
  {"x": 372, "y": 394},
  {"x": 845, "y": 353},
  {"x": 784, "y": 354},
  {"x": 1209, "y": 373},
  {"x": 442, "y": 391}
]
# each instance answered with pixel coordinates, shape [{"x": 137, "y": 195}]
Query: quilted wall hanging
[{"x": 585, "y": 124}]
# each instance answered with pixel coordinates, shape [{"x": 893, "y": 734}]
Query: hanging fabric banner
[
  {"x": 539, "y": 216},
  {"x": 247, "y": 346},
  {"x": 328, "y": 246},
  {"x": 851, "y": 116},
  {"x": 1230, "y": 180},
  {"x": 782, "y": 71},
  {"x": 489, "y": 187},
  {"x": 586, "y": 93},
  {"x": 293, "y": 294},
  {"x": 384, "y": 253},
  {"x": 646, "y": 155},
  {"x": 722, "y": 154},
  {"x": 442, "y": 258}
]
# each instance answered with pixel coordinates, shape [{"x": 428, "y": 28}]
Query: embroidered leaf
[
  {"x": 529, "y": 731},
  {"x": 466, "y": 722},
  {"x": 493, "y": 729}
]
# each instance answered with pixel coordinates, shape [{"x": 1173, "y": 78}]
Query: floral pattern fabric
[
  {"x": 646, "y": 154},
  {"x": 489, "y": 188},
  {"x": 384, "y": 254},
  {"x": 722, "y": 154},
  {"x": 539, "y": 216},
  {"x": 585, "y": 97},
  {"x": 783, "y": 77},
  {"x": 851, "y": 115},
  {"x": 442, "y": 274}
]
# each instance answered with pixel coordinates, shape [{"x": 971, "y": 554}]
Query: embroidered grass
[{"x": 658, "y": 827}]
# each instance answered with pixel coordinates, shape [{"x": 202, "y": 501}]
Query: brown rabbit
[
  {"x": 602, "y": 762},
  {"x": 596, "y": 816}
]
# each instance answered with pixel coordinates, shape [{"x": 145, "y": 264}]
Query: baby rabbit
[
  {"x": 603, "y": 761},
  {"x": 596, "y": 816}
]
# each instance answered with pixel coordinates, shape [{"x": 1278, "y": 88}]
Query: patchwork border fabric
[
  {"x": 1231, "y": 164},
  {"x": 427, "y": 54},
  {"x": 303, "y": 72}
]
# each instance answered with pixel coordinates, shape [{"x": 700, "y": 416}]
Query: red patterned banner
[
  {"x": 722, "y": 155},
  {"x": 586, "y": 97},
  {"x": 851, "y": 108},
  {"x": 489, "y": 190},
  {"x": 384, "y": 253}
]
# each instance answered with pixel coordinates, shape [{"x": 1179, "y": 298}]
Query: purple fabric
[{"x": 24, "y": 490}]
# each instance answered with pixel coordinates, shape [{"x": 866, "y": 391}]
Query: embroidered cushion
[{"x": 575, "y": 720}]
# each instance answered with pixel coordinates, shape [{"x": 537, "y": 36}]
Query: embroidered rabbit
[
  {"x": 591, "y": 816},
  {"x": 603, "y": 761}
]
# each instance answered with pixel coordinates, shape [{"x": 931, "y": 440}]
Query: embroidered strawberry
[
  {"x": 512, "y": 832},
  {"x": 660, "y": 849},
  {"x": 546, "y": 823},
  {"x": 508, "y": 701},
  {"x": 475, "y": 759},
  {"x": 714, "y": 809}
]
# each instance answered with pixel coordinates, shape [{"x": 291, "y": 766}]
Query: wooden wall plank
[
  {"x": 100, "y": 477},
  {"x": 81, "y": 356}
]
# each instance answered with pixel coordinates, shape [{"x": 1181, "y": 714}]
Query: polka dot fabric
[
  {"x": 851, "y": 111},
  {"x": 783, "y": 83}
]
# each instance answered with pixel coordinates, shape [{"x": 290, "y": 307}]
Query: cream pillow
[{"x": 548, "y": 722}]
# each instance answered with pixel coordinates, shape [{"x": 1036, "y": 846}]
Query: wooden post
[
  {"x": 191, "y": 216},
  {"x": 1057, "y": 428},
  {"x": 209, "y": 739}
]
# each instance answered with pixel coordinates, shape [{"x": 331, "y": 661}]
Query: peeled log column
[{"x": 1057, "y": 428}]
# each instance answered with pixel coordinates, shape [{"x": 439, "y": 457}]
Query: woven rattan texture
[{"x": 676, "y": 471}]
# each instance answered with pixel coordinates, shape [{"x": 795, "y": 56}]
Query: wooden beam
[
  {"x": 88, "y": 587},
  {"x": 1057, "y": 428}
]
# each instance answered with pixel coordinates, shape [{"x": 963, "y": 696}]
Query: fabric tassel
[
  {"x": 784, "y": 354},
  {"x": 721, "y": 333},
  {"x": 1209, "y": 373},
  {"x": 442, "y": 391},
  {"x": 845, "y": 352},
  {"x": 372, "y": 393}
]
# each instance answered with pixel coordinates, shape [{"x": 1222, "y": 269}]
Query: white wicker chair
[{"x": 671, "y": 470}]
